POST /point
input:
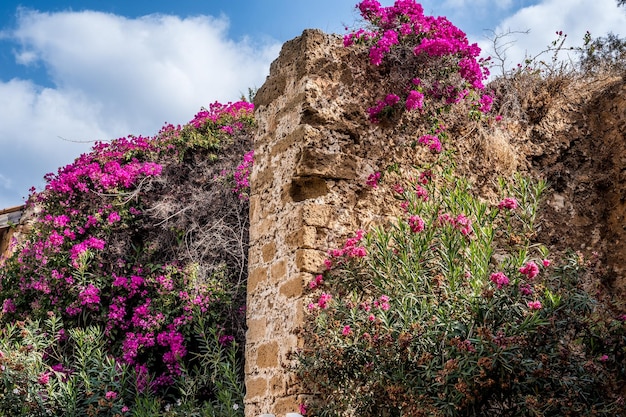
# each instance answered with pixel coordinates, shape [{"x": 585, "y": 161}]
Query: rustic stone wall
[
  {"x": 11, "y": 226},
  {"x": 308, "y": 194}
]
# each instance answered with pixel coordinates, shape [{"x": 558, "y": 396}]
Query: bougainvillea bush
[
  {"x": 139, "y": 245},
  {"x": 452, "y": 311}
]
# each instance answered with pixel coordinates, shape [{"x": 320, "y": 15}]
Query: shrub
[
  {"x": 140, "y": 245},
  {"x": 453, "y": 311}
]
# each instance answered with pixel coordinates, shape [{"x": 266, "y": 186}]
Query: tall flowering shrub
[
  {"x": 120, "y": 244},
  {"x": 453, "y": 311}
]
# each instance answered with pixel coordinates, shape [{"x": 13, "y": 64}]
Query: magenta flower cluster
[
  {"x": 405, "y": 24},
  {"x": 242, "y": 176},
  {"x": 75, "y": 263}
]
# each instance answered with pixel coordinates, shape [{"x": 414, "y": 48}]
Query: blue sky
[{"x": 76, "y": 71}]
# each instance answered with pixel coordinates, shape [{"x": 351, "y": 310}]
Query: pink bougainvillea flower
[{"x": 432, "y": 141}]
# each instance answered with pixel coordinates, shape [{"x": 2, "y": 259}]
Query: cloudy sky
[{"x": 74, "y": 71}]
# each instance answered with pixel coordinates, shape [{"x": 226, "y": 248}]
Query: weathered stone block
[
  {"x": 310, "y": 260},
  {"x": 267, "y": 355}
]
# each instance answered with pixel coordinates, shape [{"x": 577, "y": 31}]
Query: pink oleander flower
[
  {"x": 371, "y": 317},
  {"x": 499, "y": 279},
  {"x": 8, "y": 306},
  {"x": 416, "y": 223},
  {"x": 526, "y": 289},
  {"x": 534, "y": 305},
  {"x": 225, "y": 340},
  {"x": 531, "y": 270},
  {"x": 546, "y": 263},
  {"x": 346, "y": 330},
  {"x": 373, "y": 179},
  {"x": 463, "y": 224},
  {"x": 89, "y": 295},
  {"x": 421, "y": 193},
  {"x": 110, "y": 395},
  {"x": 508, "y": 203},
  {"x": 324, "y": 300},
  {"x": 382, "y": 303},
  {"x": 316, "y": 282},
  {"x": 398, "y": 189},
  {"x": 44, "y": 378}
]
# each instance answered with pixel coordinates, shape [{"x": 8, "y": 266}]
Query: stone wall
[
  {"x": 308, "y": 175},
  {"x": 10, "y": 226}
]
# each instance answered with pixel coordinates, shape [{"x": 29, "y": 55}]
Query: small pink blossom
[
  {"x": 316, "y": 282},
  {"x": 44, "y": 378},
  {"x": 415, "y": 100},
  {"x": 603, "y": 358},
  {"x": 508, "y": 203},
  {"x": 110, "y": 395},
  {"x": 398, "y": 189},
  {"x": 346, "y": 330},
  {"x": 499, "y": 279},
  {"x": 373, "y": 179},
  {"x": 526, "y": 289},
  {"x": 431, "y": 141},
  {"x": 303, "y": 409},
  {"x": 324, "y": 299},
  {"x": 534, "y": 305},
  {"x": 8, "y": 306},
  {"x": 416, "y": 223},
  {"x": 531, "y": 270},
  {"x": 113, "y": 217},
  {"x": 546, "y": 263}
]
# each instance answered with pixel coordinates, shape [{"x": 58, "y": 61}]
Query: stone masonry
[{"x": 308, "y": 195}]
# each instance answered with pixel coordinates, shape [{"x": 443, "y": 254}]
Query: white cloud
[
  {"x": 111, "y": 76},
  {"x": 483, "y": 4},
  {"x": 543, "y": 20}
]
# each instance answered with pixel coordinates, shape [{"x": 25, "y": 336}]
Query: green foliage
[
  {"x": 461, "y": 315},
  {"x": 606, "y": 53}
]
